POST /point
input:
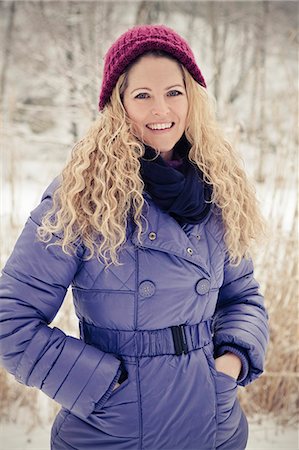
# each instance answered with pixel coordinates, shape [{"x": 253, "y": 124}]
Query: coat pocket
[
  {"x": 115, "y": 392},
  {"x": 119, "y": 416},
  {"x": 123, "y": 380},
  {"x": 226, "y": 392},
  {"x": 231, "y": 431},
  {"x": 226, "y": 388}
]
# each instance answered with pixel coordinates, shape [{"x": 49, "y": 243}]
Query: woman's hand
[{"x": 229, "y": 363}]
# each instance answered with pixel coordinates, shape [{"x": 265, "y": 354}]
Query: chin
[{"x": 163, "y": 147}]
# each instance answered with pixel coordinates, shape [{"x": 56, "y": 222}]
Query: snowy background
[{"x": 51, "y": 63}]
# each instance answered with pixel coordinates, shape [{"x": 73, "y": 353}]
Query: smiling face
[{"x": 156, "y": 102}]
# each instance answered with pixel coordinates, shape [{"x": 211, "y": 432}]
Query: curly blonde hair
[
  {"x": 222, "y": 167},
  {"x": 101, "y": 184}
]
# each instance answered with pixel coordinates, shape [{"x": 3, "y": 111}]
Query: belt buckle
[{"x": 179, "y": 339}]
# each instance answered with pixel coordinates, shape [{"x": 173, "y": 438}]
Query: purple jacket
[{"x": 160, "y": 318}]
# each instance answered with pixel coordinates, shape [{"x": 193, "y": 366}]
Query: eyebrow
[{"x": 166, "y": 89}]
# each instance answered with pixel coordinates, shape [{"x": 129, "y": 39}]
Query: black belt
[{"x": 177, "y": 339}]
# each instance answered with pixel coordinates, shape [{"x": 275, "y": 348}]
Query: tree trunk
[
  {"x": 7, "y": 50},
  {"x": 260, "y": 176},
  {"x": 219, "y": 33},
  {"x": 70, "y": 59},
  {"x": 246, "y": 64},
  {"x": 148, "y": 12}
]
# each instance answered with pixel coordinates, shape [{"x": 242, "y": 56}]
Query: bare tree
[
  {"x": 7, "y": 47},
  {"x": 70, "y": 58},
  {"x": 148, "y": 12},
  {"x": 261, "y": 55},
  {"x": 246, "y": 62},
  {"x": 219, "y": 34}
]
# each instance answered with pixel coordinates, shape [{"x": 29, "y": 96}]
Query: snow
[
  {"x": 17, "y": 437},
  {"x": 268, "y": 436}
]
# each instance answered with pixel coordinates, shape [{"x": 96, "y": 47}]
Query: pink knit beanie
[{"x": 137, "y": 41}]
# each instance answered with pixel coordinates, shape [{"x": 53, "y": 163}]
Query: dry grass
[{"x": 276, "y": 392}]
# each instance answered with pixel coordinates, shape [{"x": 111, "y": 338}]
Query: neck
[{"x": 167, "y": 155}]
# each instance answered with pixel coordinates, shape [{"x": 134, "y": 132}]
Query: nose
[{"x": 160, "y": 107}]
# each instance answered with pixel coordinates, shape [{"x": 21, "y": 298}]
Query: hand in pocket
[
  {"x": 230, "y": 364},
  {"x": 122, "y": 378},
  {"x": 116, "y": 386}
]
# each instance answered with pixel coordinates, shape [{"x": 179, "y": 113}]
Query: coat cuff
[
  {"x": 107, "y": 394},
  {"x": 241, "y": 354}
]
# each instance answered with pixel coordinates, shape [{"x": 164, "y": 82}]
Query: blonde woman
[{"x": 151, "y": 222}]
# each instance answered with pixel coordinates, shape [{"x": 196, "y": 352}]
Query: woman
[{"x": 151, "y": 222}]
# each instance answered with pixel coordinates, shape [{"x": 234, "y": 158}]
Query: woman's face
[{"x": 156, "y": 102}]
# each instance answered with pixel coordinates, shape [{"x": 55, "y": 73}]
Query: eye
[
  {"x": 174, "y": 93},
  {"x": 142, "y": 95}
]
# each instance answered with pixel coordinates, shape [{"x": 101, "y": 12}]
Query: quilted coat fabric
[{"x": 163, "y": 315}]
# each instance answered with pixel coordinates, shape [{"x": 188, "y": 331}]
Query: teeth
[{"x": 160, "y": 126}]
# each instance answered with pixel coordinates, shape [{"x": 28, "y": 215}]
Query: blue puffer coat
[{"x": 162, "y": 316}]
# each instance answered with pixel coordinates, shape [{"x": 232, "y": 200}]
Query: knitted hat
[{"x": 137, "y": 41}]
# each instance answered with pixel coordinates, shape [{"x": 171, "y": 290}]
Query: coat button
[
  {"x": 198, "y": 236},
  {"x": 152, "y": 235},
  {"x": 190, "y": 251},
  {"x": 202, "y": 286},
  {"x": 147, "y": 289}
]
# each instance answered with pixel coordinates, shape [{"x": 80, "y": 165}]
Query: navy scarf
[{"x": 176, "y": 187}]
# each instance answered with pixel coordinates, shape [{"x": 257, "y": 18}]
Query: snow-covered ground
[{"x": 263, "y": 436}]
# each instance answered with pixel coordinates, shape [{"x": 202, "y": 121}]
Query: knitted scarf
[{"x": 177, "y": 186}]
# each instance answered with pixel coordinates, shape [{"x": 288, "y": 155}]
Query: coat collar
[{"x": 166, "y": 235}]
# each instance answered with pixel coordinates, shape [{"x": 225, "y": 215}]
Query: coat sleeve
[
  {"x": 240, "y": 322},
  {"x": 33, "y": 285}
]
